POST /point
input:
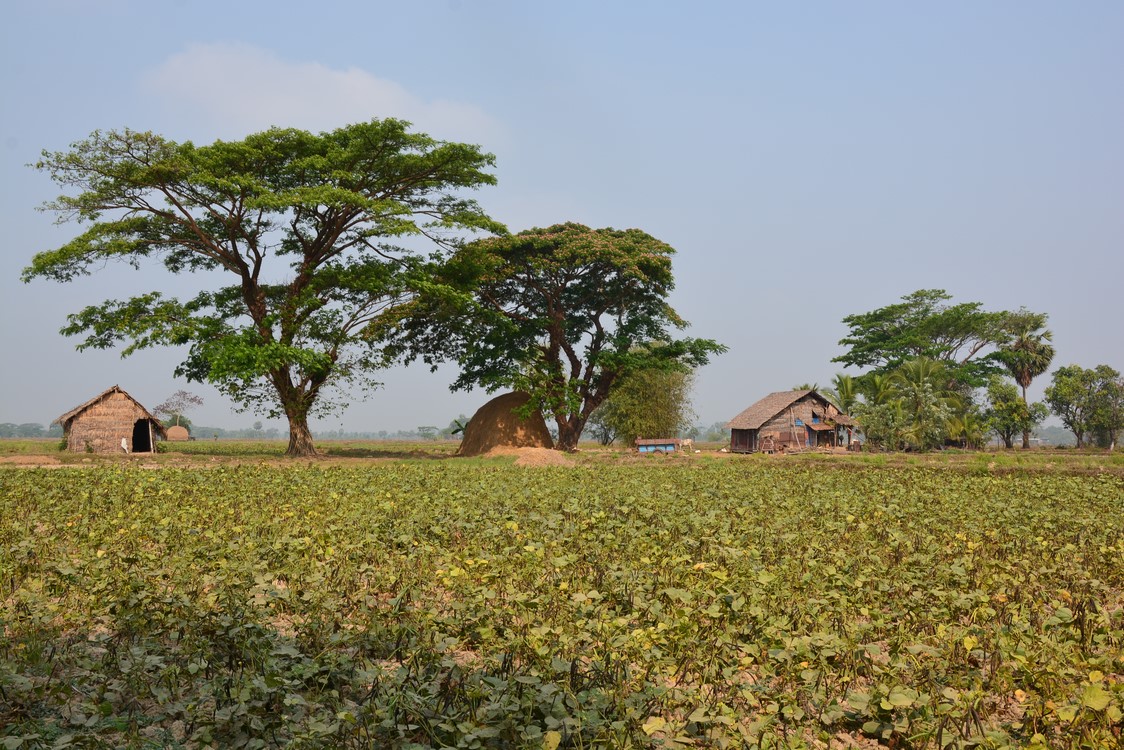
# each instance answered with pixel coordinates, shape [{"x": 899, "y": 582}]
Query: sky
[{"x": 806, "y": 160}]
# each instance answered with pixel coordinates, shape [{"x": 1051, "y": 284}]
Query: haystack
[
  {"x": 496, "y": 425},
  {"x": 178, "y": 432}
]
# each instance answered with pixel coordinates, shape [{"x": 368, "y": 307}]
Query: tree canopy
[
  {"x": 963, "y": 336},
  {"x": 562, "y": 313},
  {"x": 1088, "y": 400},
  {"x": 1008, "y": 414},
  {"x": 305, "y": 227}
]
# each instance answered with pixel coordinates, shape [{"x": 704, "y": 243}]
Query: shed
[
  {"x": 789, "y": 420},
  {"x": 111, "y": 422}
]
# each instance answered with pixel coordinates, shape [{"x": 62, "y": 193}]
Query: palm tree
[
  {"x": 969, "y": 428},
  {"x": 1028, "y": 354},
  {"x": 877, "y": 388},
  {"x": 843, "y": 393},
  {"x": 922, "y": 386}
]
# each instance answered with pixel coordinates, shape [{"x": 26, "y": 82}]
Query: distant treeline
[
  {"x": 202, "y": 432},
  {"x": 29, "y": 430}
]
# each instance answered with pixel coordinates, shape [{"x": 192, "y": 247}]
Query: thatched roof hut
[
  {"x": 789, "y": 420},
  {"x": 111, "y": 422}
]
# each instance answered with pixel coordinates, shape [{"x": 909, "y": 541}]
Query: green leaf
[
  {"x": 900, "y": 697},
  {"x": 1096, "y": 697}
]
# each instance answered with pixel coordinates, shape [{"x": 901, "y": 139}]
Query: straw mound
[
  {"x": 178, "y": 432},
  {"x": 495, "y": 425}
]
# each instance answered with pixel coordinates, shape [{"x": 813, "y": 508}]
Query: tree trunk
[
  {"x": 1007, "y": 441},
  {"x": 1026, "y": 431},
  {"x": 568, "y": 436},
  {"x": 300, "y": 437}
]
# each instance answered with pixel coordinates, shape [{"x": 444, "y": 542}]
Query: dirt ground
[
  {"x": 32, "y": 461},
  {"x": 28, "y": 454},
  {"x": 533, "y": 456}
]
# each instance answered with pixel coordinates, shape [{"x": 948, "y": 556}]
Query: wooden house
[
  {"x": 789, "y": 420},
  {"x": 111, "y": 422}
]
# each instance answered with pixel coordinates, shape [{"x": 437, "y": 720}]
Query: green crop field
[{"x": 732, "y": 603}]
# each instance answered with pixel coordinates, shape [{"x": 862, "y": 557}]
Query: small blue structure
[{"x": 658, "y": 445}]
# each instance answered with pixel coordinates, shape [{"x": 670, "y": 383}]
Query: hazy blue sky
[{"x": 807, "y": 160}]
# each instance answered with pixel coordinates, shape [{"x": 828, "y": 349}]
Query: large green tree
[
  {"x": 562, "y": 313},
  {"x": 964, "y": 336},
  {"x": 1106, "y": 405},
  {"x": 304, "y": 226},
  {"x": 1008, "y": 414},
  {"x": 1027, "y": 354},
  {"x": 1110, "y": 410},
  {"x": 1079, "y": 397}
]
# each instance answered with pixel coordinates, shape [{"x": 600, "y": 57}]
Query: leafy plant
[{"x": 486, "y": 605}]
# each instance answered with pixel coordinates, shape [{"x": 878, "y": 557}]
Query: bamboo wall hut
[
  {"x": 111, "y": 422},
  {"x": 789, "y": 420}
]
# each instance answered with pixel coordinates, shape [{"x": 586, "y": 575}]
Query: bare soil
[{"x": 533, "y": 456}]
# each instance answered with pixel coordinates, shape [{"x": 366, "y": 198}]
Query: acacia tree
[
  {"x": 562, "y": 313},
  {"x": 1027, "y": 354},
  {"x": 301, "y": 223},
  {"x": 963, "y": 336}
]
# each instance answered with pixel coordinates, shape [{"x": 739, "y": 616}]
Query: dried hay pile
[
  {"x": 496, "y": 425},
  {"x": 177, "y": 432}
]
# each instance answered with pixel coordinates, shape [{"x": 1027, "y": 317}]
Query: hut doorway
[{"x": 142, "y": 436}]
